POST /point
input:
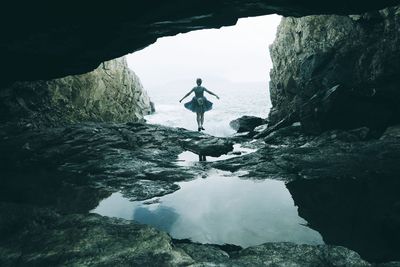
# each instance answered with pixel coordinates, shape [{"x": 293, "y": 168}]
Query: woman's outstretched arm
[
  {"x": 186, "y": 95},
  {"x": 211, "y": 93}
]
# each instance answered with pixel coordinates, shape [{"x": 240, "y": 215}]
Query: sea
[{"x": 236, "y": 99}]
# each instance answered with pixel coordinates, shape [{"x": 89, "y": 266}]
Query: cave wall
[
  {"x": 48, "y": 39},
  {"x": 335, "y": 71},
  {"x": 112, "y": 92}
]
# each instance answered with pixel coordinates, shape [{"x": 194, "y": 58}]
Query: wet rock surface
[
  {"x": 134, "y": 158},
  {"x": 344, "y": 183},
  {"x": 40, "y": 237},
  {"x": 290, "y": 155}
]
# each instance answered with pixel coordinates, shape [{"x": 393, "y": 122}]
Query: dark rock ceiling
[{"x": 49, "y": 39}]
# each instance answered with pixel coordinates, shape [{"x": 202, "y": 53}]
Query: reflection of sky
[{"x": 221, "y": 209}]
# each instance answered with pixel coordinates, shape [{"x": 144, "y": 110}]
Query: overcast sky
[{"x": 237, "y": 53}]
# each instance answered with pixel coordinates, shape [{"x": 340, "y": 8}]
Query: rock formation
[
  {"x": 246, "y": 123},
  {"x": 112, "y": 92},
  {"x": 42, "y": 40},
  {"x": 337, "y": 71},
  {"x": 330, "y": 72},
  {"x": 53, "y": 177}
]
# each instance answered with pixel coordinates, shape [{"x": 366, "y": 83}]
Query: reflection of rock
[
  {"x": 42, "y": 186},
  {"x": 83, "y": 162},
  {"x": 162, "y": 217},
  {"x": 345, "y": 184},
  {"x": 246, "y": 123},
  {"x": 41, "y": 237},
  {"x": 361, "y": 214}
]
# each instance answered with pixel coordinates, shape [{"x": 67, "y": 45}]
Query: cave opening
[
  {"x": 234, "y": 62},
  {"x": 85, "y": 181}
]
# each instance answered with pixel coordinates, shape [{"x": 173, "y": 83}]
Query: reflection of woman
[{"x": 199, "y": 103}]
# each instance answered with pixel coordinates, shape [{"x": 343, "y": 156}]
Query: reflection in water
[
  {"x": 162, "y": 218},
  {"x": 220, "y": 209},
  {"x": 188, "y": 158},
  {"x": 360, "y": 214},
  {"x": 202, "y": 158}
]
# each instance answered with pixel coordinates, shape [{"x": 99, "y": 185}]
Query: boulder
[
  {"x": 246, "y": 123},
  {"x": 212, "y": 146}
]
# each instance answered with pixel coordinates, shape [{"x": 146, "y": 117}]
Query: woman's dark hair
[{"x": 198, "y": 81}]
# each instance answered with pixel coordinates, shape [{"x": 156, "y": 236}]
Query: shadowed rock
[
  {"x": 51, "y": 40},
  {"x": 40, "y": 237},
  {"x": 36, "y": 237},
  {"x": 360, "y": 213}
]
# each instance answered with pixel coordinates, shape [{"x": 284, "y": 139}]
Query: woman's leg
[
  {"x": 198, "y": 120},
  {"x": 202, "y": 119}
]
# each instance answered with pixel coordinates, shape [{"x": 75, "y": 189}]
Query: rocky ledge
[
  {"x": 52, "y": 178},
  {"x": 344, "y": 183},
  {"x": 41, "y": 237},
  {"x": 111, "y": 93},
  {"x": 135, "y": 158}
]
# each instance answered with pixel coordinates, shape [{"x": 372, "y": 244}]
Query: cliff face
[
  {"x": 112, "y": 92},
  {"x": 337, "y": 71}
]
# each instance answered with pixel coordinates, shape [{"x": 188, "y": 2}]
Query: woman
[{"x": 199, "y": 103}]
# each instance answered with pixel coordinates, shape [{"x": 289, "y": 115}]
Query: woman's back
[{"x": 199, "y": 91}]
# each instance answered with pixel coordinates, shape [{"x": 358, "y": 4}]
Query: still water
[{"x": 221, "y": 208}]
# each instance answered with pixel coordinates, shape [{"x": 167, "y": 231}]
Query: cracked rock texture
[
  {"x": 313, "y": 54},
  {"x": 34, "y": 236},
  {"x": 112, "y": 92},
  {"x": 134, "y": 158},
  {"x": 53, "y": 177}
]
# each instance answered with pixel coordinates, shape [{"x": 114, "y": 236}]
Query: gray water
[
  {"x": 221, "y": 208},
  {"x": 236, "y": 100}
]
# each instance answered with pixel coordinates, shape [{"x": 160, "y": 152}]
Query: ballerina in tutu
[{"x": 199, "y": 103}]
